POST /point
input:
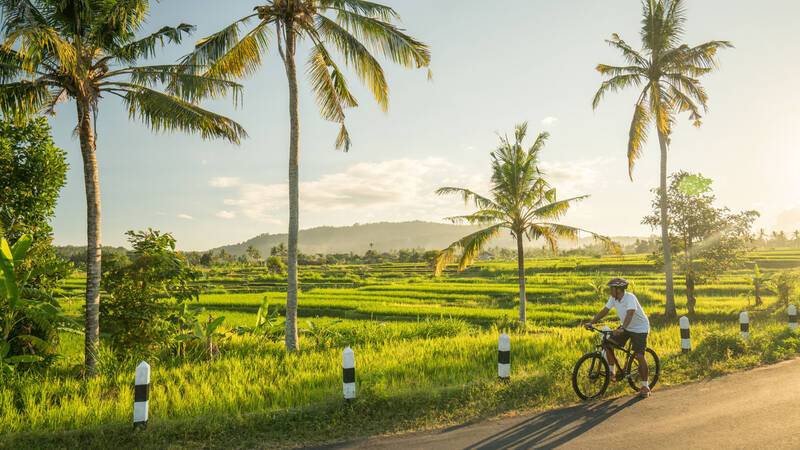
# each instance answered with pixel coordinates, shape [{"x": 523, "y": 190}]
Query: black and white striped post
[
  {"x": 141, "y": 392},
  {"x": 349, "y": 373},
  {"x": 792, "y": 317},
  {"x": 686, "y": 341},
  {"x": 504, "y": 357},
  {"x": 744, "y": 325}
]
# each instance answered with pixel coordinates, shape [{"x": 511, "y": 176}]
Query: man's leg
[
  {"x": 644, "y": 372},
  {"x": 640, "y": 344},
  {"x": 613, "y": 365}
]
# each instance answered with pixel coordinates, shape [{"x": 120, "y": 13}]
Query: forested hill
[{"x": 383, "y": 236}]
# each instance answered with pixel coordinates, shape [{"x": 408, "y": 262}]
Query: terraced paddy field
[{"x": 426, "y": 351}]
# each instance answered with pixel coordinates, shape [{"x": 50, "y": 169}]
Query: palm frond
[
  {"x": 181, "y": 82},
  {"x": 362, "y": 7},
  {"x": 554, "y": 210},
  {"x": 467, "y": 247},
  {"x": 162, "y": 112},
  {"x": 224, "y": 54},
  {"x": 146, "y": 46},
  {"x": 633, "y": 57},
  {"x": 357, "y": 57},
  {"x": 637, "y": 136},
  {"x": 466, "y": 194},
  {"x": 23, "y": 99},
  {"x": 384, "y": 37},
  {"x": 329, "y": 85},
  {"x": 616, "y": 84}
]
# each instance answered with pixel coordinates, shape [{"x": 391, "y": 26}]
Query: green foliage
[
  {"x": 705, "y": 240},
  {"x": 138, "y": 313},
  {"x": 665, "y": 72},
  {"x": 34, "y": 171},
  {"x": 522, "y": 201},
  {"x": 201, "y": 336},
  {"x": 352, "y": 28},
  {"x": 30, "y": 318},
  {"x": 276, "y": 266},
  {"x": 785, "y": 284}
]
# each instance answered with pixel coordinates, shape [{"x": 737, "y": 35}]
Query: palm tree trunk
[
  {"x": 521, "y": 275},
  {"x": 91, "y": 180},
  {"x": 294, "y": 194},
  {"x": 669, "y": 308}
]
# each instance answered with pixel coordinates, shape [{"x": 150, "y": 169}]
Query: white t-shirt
[{"x": 639, "y": 322}]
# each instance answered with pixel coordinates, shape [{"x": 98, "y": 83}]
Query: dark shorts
[{"x": 638, "y": 340}]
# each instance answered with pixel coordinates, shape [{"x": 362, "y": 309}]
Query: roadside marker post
[
  {"x": 792, "y": 317},
  {"x": 349, "y": 374},
  {"x": 686, "y": 341},
  {"x": 744, "y": 325},
  {"x": 141, "y": 395},
  {"x": 504, "y": 357}
]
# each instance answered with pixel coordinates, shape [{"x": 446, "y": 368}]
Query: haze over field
[{"x": 537, "y": 67}]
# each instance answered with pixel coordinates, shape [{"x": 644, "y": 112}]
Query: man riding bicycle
[{"x": 635, "y": 326}]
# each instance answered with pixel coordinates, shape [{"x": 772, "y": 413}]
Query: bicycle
[{"x": 591, "y": 375}]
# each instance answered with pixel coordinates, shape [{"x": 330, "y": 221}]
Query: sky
[{"x": 494, "y": 64}]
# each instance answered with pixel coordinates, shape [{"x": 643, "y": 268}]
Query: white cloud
[
  {"x": 226, "y": 214},
  {"x": 549, "y": 121},
  {"x": 224, "y": 182},
  {"x": 575, "y": 177},
  {"x": 401, "y": 189},
  {"x": 185, "y": 217}
]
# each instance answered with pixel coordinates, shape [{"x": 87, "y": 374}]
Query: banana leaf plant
[{"x": 21, "y": 306}]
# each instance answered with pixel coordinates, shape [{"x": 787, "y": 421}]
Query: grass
[{"x": 425, "y": 349}]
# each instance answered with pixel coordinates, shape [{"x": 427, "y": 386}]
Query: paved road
[{"x": 759, "y": 409}]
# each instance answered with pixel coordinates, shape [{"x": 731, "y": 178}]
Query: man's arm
[
  {"x": 599, "y": 316},
  {"x": 628, "y": 318}
]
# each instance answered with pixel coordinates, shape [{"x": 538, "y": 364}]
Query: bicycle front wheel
[
  {"x": 590, "y": 376},
  {"x": 653, "y": 366}
]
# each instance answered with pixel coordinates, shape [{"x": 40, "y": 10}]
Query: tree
[
  {"x": 705, "y": 240},
  {"x": 357, "y": 29},
  {"x": 521, "y": 201},
  {"x": 667, "y": 73},
  {"x": 253, "y": 254},
  {"x": 34, "y": 171},
  {"x": 85, "y": 50},
  {"x": 784, "y": 283},
  {"x": 142, "y": 290}
]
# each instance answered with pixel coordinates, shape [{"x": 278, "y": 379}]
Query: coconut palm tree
[
  {"x": 521, "y": 201},
  {"x": 85, "y": 50},
  {"x": 356, "y": 30},
  {"x": 666, "y": 72}
]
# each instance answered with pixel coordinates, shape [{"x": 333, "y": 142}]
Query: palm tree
[
  {"x": 356, "y": 29},
  {"x": 521, "y": 201},
  {"x": 83, "y": 50},
  {"x": 666, "y": 72}
]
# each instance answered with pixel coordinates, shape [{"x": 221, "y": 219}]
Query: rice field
[{"x": 425, "y": 349}]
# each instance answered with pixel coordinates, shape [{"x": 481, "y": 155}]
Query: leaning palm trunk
[
  {"x": 523, "y": 299},
  {"x": 91, "y": 177},
  {"x": 669, "y": 308},
  {"x": 294, "y": 194}
]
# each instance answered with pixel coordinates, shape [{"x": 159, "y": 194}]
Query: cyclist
[{"x": 635, "y": 326}]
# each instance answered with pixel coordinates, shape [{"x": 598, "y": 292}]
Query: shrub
[
  {"x": 140, "y": 314},
  {"x": 29, "y": 317}
]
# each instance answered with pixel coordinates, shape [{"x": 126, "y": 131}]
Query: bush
[
  {"x": 140, "y": 313},
  {"x": 29, "y": 317}
]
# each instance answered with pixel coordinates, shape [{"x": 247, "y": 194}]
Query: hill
[{"x": 382, "y": 237}]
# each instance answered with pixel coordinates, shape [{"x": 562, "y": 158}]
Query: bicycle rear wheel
[
  {"x": 590, "y": 376},
  {"x": 654, "y": 369}
]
